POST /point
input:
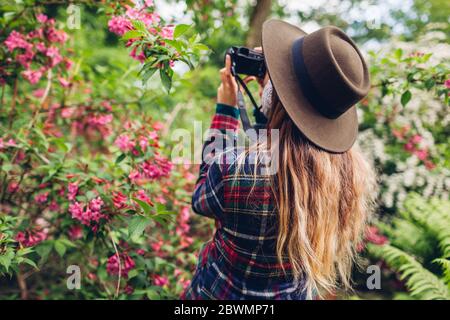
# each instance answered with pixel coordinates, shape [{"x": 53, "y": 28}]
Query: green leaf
[
  {"x": 180, "y": 30},
  {"x": 148, "y": 74},
  {"x": 139, "y": 25},
  {"x": 165, "y": 79},
  {"x": 132, "y": 34},
  {"x": 43, "y": 250},
  {"x": 201, "y": 47},
  {"x": 121, "y": 158},
  {"x": 30, "y": 262},
  {"x": 137, "y": 226},
  {"x": 406, "y": 96},
  {"x": 60, "y": 248},
  {"x": 144, "y": 206},
  {"x": 6, "y": 259},
  {"x": 178, "y": 45}
]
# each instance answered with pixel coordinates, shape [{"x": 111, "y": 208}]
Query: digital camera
[{"x": 247, "y": 61}]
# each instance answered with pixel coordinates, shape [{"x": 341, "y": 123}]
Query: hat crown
[
  {"x": 335, "y": 71},
  {"x": 347, "y": 59}
]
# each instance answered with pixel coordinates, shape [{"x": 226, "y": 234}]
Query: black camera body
[{"x": 247, "y": 61}]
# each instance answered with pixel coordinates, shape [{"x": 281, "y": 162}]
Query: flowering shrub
[
  {"x": 83, "y": 182},
  {"x": 155, "y": 45},
  {"x": 405, "y": 122}
]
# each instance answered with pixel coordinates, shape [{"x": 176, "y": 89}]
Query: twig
[{"x": 22, "y": 285}]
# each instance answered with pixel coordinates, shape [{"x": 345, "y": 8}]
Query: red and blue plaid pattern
[{"x": 240, "y": 261}]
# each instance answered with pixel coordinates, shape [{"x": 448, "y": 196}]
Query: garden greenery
[{"x": 86, "y": 177}]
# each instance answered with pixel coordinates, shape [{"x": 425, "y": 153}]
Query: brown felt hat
[{"x": 318, "y": 77}]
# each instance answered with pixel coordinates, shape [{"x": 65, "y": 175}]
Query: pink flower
[
  {"x": 421, "y": 154},
  {"x": 408, "y": 146},
  {"x": 30, "y": 238},
  {"x": 72, "y": 191},
  {"x": 139, "y": 57},
  {"x": 429, "y": 165},
  {"x": 158, "y": 125},
  {"x": 128, "y": 289},
  {"x": 54, "y": 35},
  {"x": 125, "y": 261},
  {"x": 157, "y": 246},
  {"x": 148, "y": 3},
  {"x": 38, "y": 93},
  {"x": 134, "y": 176},
  {"x": 17, "y": 40},
  {"x": 67, "y": 112},
  {"x": 143, "y": 143},
  {"x": 54, "y": 55},
  {"x": 160, "y": 280},
  {"x": 417, "y": 138},
  {"x": 96, "y": 204},
  {"x": 13, "y": 186},
  {"x": 373, "y": 236},
  {"x": 119, "y": 25},
  {"x": 124, "y": 143},
  {"x": 63, "y": 82},
  {"x": 92, "y": 213},
  {"x": 167, "y": 32},
  {"x": 25, "y": 58},
  {"x": 75, "y": 232},
  {"x": 141, "y": 195},
  {"x": 41, "y": 198},
  {"x": 76, "y": 210},
  {"x": 54, "y": 206},
  {"x": 42, "y": 18},
  {"x": 33, "y": 76},
  {"x": 119, "y": 200},
  {"x": 447, "y": 83},
  {"x": 140, "y": 252},
  {"x": 100, "y": 120}
]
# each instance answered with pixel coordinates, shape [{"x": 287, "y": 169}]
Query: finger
[
  {"x": 223, "y": 77},
  {"x": 228, "y": 64},
  {"x": 258, "y": 49},
  {"x": 249, "y": 79}
]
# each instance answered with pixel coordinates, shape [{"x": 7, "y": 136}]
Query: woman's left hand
[{"x": 227, "y": 91}]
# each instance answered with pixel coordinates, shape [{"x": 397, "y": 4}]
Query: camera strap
[{"x": 241, "y": 102}]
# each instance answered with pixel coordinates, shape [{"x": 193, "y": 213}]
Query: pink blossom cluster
[
  {"x": 75, "y": 232},
  {"x": 125, "y": 261},
  {"x": 413, "y": 146},
  {"x": 144, "y": 12},
  {"x": 178, "y": 274},
  {"x": 6, "y": 144},
  {"x": 31, "y": 238},
  {"x": 37, "y": 51},
  {"x": 160, "y": 281},
  {"x": 373, "y": 236},
  {"x": 89, "y": 122},
  {"x": 41, "y": 198},
  {"x": 72, "y": 191},
  {"x": 119, "y": 200},
  {"x": 88, "y": 214}
]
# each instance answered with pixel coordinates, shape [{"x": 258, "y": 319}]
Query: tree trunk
[{"x": 259, "y": 14}]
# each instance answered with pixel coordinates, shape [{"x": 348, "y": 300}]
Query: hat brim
[{"x": 334, "y": 135}]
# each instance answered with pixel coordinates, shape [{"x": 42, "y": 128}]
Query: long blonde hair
[{"x": 323, "y": 201}]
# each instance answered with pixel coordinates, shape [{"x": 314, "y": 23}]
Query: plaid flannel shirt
[{"x": 240, "y": 261}]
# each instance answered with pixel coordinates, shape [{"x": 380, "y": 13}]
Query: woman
[{"x": 292, "y": 233}]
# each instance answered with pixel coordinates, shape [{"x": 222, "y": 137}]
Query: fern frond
[
  {"x": 445, "y": 264},
  {"x": 421, "y": 283},
  {"x": 433, "y": 215}
]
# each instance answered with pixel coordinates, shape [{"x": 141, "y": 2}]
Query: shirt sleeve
[{"x": 207, "y": 199}]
